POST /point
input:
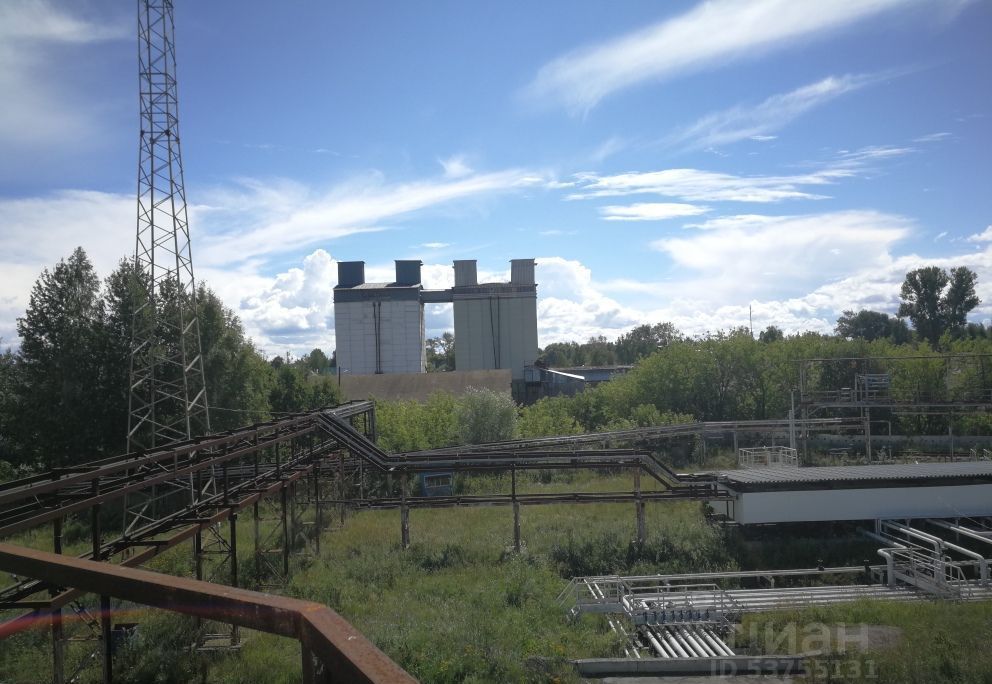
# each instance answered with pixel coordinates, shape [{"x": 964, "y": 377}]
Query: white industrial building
[
  {"x": 781, "y": 494},
  {"x": 380, "y": 326},
  {"x": 495, "y": 323}
]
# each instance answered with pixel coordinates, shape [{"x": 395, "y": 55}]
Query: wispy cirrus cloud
[
  {"x": 42, "y": 108},
  {"x": 292, "y": 217},
  {"x": 757, "y": 122},
  {"x": 650, "y": 211},
  {"x": 932, "y": 137},
  {"x": 696, "y": 185},
  {"x": 707, "y": 36}
]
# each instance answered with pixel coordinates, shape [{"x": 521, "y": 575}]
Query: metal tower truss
[{"x": 168, "y": 398}]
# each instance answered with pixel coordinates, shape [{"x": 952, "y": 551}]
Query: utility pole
[{"x": 168, "y": 395}]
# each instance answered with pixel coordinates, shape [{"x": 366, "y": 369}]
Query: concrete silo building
[
  {"x": 379, "y": 326},
  {"x": 495, "y": 323}
]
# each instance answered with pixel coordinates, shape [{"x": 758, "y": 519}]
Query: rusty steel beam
[
  {"x": 342, "y": 648},
  {"x": 53, "y": 481},
  {"x": 120, "y": 491},
  {"x": 529, "y": 499},
  {"x": 185, "y": 532}
]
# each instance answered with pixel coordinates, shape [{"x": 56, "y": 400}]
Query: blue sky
[{"x": 676, "y": 161}]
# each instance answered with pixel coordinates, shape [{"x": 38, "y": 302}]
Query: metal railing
[{"x": 341, "y": 648}]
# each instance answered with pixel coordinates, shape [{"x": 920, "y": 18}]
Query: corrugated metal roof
[{"x": 899, "y": 471}]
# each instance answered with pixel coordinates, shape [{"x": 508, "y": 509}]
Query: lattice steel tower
[{"x": 168, "y": 397}]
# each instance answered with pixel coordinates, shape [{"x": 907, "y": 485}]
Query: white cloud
[
  {"x": 758, "y": 121},
  {"x": 751, "y": 256},
  {"x": 608, "y": 148},
  {"x": 570, "y": 306},
  {"x": 709, "y": 35},
  {"x": 940, "y": 236},
  {"x": 290, "y": 217},
  {"x": 932, "y": 137},
  {"x": 695, "y": 185},
  {"x": 38, "y": 231},
  {"x": 455, "y": 166},
  {"x": 984, "y": 236},
  {"x": 435, "y": 245},
  {"x": 254, "y": 217},
  {"x": 650, "y": 211},
  {"x": 295, "y": 311},
  {"x": 41, "y": 108}
]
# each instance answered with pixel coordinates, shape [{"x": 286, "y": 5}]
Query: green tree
[
  {"x": 548, "y": 417},
  {"x": 645, "y": 340},
  {"x": 937, "y": 301},
  {"x": 771, "y": 334},
  {"x": 239, "y": 381},
  {"x": 872, "y": 325},
  {"x": 9, "y": 451},
  {"x": 441, "y": 353},
  {"x": 486, "y": 416},
  {"x": 59, "y": 417},
  {"x": 316, "y": 361},
  {"x": 960, "y": 298}
]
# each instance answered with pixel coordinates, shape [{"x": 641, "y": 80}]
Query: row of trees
[
  {"x": 64, "y": 392},
  {"x": 936, "y": 301}
]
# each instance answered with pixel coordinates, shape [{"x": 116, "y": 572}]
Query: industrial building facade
[{"x": 380, "y": 326}]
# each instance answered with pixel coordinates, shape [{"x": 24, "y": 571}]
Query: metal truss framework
[
  {"x": 307, "y": 465},
  {"x": 167, "y": 398},
  {"x": 921, "y": 385}
]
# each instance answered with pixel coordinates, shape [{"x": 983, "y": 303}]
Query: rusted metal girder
[
  {"x": 186, "y": 530},
  {"x": 344, "y": 650},
  {"x": 531, "y": 499}
]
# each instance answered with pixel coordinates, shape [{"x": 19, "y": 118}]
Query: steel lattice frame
[{"x": 167, "y": 398}]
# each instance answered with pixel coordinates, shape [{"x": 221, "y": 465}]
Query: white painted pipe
[
  {"x": 697, "y": 634},
  {"x": 674, "y": 644},
  {"x": 983, "y": 564},
  {"x": 654, "y": 643},
  {"x": 700, "y": 647},
  {"x": 660, "y": 636},
  {"x": 685, "y": 644},
  {"x": 716, "y": 643}
]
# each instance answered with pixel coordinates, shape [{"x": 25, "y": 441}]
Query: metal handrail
[{"x": 346, "y": 653}]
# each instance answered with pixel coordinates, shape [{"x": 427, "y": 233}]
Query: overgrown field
[
  {"x": 461, "y": 606},
  {"x": 897, "y": 643}
]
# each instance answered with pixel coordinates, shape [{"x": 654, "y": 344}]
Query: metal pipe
[
  {"x": 684, "y": 643},
  {"x": 890, "y": 566},
  {"x": 701, "y": 647},
  {"x": 654, "y": 643},
  {"x": 983, "y": 563},
  {"x": 718, "y": 643},
  {"x": 674, "y": 644}
]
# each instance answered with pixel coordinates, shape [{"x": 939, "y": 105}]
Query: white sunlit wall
[
  {"x": 379, "y": 327},
  {"x": 495, "y": 323}
]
